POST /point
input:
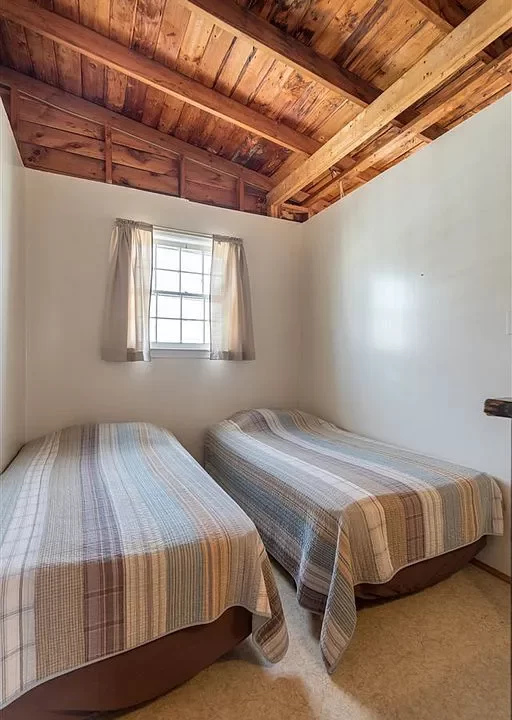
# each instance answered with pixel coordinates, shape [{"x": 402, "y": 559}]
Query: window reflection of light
[{"x": 390, "y": 306}]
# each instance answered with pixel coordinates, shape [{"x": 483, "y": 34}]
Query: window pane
[
  {"x": 152, "y": 331},
  {"x": 168, "y": 281},
  {"x": 152, "y": 306},
  {"x": 207, "y": 333},
  {"x": 206, "y": 284},
  {"x": 191, "y": 283},
  {"x": 193, "y": 309},
  {"x": 168, "y": 306},
  {"x": 192, "y": 331},
  {"x": 207, "y": 263},
  {"x": 168, "y": 331},
  {"x": 167, "y": 258},
  {"x": 192, "y": 261},
  {"x": 207, "y": 308}
]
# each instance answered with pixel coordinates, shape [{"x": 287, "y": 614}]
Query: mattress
[
  {"x": 339, "y": 510},
  {"x": 113, "y": 536}
]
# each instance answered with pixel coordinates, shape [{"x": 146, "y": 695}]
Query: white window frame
[{"x": 180, "y": 239}]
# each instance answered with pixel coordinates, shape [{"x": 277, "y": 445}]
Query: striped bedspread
[
  {"x": 336, "y": 509},
  {"x": 112, "y": 536}
]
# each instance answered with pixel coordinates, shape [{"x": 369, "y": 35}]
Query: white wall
[
  {"x": 69, "y": 222},
  {"x": 12, "y": 321},
  {"x": 401, "y": 297},
  {"x": 410, "y": 284}
]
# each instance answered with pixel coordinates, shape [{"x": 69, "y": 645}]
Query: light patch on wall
[{"x": 390, "y": 309}]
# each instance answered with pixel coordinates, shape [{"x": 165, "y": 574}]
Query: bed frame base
[
  {"x": 135, "y": 676},
  {"x": 421, "y": 575}
]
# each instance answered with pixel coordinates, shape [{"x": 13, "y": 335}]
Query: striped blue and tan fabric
[
  {"x": 112, "y": 536},
  {"x": 337, "y": 510}
]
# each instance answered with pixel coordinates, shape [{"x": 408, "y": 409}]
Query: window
[{"x": 180, "y": 296}]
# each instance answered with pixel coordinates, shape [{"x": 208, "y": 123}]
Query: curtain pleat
[
  {"x": 126, "y": 320},
  {"x": 230, "y": 303}
]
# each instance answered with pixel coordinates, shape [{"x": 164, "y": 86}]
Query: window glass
[
  {"x": 169, "y": 306},
  {"x": 192, "y": 331},
  {"x": 180, "y": 299},
  {"x": 168, "y": 331},
  {"x": 167, "y": 281},
  {"x": 192, "y": 261},
  {"x": 167, "y": 258},
  {"x": 193, "y": 308},
  {"x": 191, "y": 283}
]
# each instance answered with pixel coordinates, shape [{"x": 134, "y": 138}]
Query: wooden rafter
[
  {"x": 116, "y": 56},
  {"x": 108, "y": 154},
  {"x": 13, "y": 109},
  {"x": 182, "y": 178},
  {"x": 484, "y": 25},
  {"x": 433, "y": 111},
  {"x": 113, "y": 55},
  {"x": 83, "y": 108},
  {"x": 265, "y": 36},
  {"x": 284, "y": 48},
  {"x": 241, "y": 195},
  {"x": 54, "y": 97},
  {"x": 447, "y": 15}
]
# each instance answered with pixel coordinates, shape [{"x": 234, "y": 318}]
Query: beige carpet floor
[{"x": 442, "y": 654}]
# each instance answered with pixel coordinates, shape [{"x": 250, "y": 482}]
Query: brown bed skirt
[
  {"x": 135, "y": 676},
  {"x": 421, "y": 575},
  {"x": 151, "y": 670}
]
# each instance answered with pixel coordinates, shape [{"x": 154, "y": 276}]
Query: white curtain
[
  {"x": 126, "y": 320},
  {"x": 230, "y": 303}
]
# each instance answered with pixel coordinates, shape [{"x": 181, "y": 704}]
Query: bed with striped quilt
[
  {"x": 336, "y": 509},
  {"x": 112, "y": 536}
]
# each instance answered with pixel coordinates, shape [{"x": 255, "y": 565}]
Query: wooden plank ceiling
[{"x": 220, "y": 101}]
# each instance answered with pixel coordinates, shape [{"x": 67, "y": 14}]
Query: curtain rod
[
  {"x": 183, "y": 232},
  {"x": 189, "y": 233}
]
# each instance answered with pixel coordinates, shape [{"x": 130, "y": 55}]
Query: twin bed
[
  {"x": 125, "y": 568},
  {"x": 347, "y": 516},
  {"x": 118, "y": 549}
]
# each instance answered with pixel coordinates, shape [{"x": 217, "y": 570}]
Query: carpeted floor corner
[{"x": 443, "y": 654}]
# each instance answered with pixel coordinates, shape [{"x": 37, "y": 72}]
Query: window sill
[{"x": 183, "y": 354}]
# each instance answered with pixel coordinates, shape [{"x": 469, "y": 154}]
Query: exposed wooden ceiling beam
[
  {"x": 83, "y": 108},
  {"x": 447, "y": 15},
  {"x": 102, "y": 49},
  {"x": 444, "y": 14},
  {"x": 484, "y": 25},
  {"x": 118, "y": 57},
  {"x": 322, "y": 70},
  {"x": 434, "y": 110},
  {"x": 324, "y": 187},
  {"x": 241, "y": 22}
]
